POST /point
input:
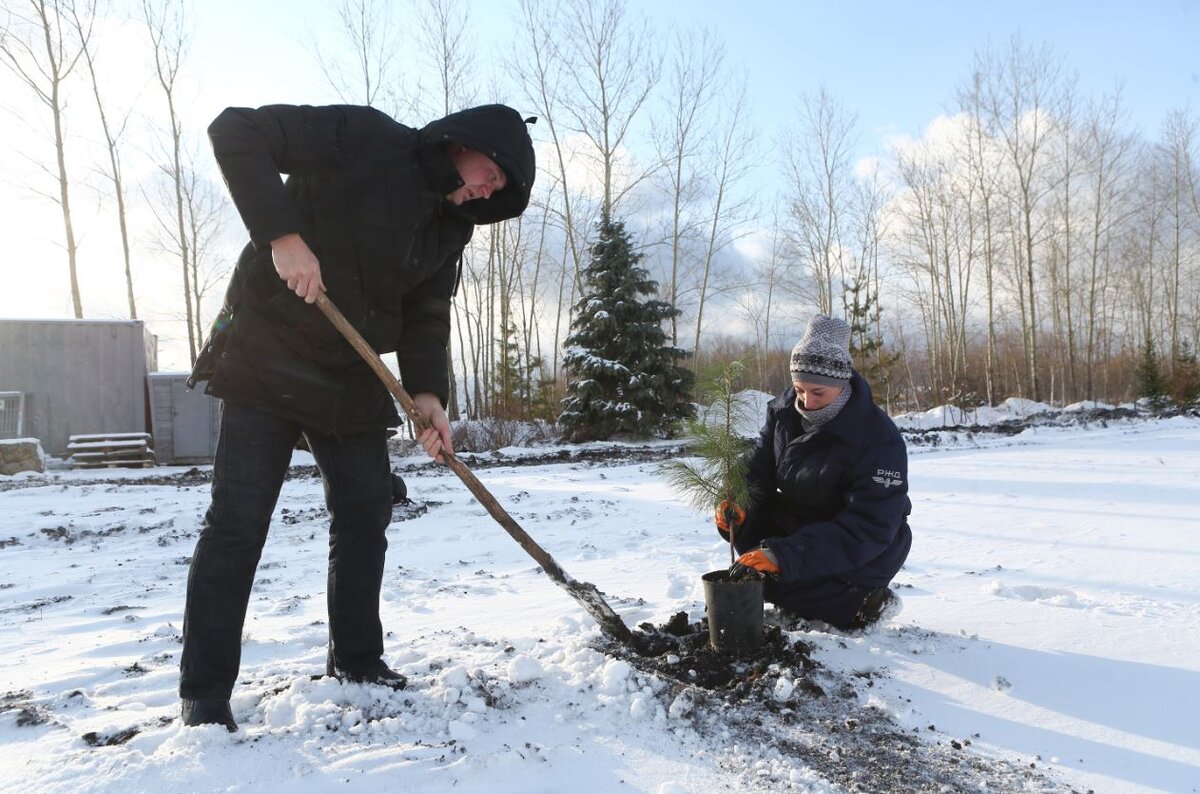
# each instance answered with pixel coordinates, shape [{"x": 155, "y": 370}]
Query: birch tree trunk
[
  {"x": 691, "y": 85},
  {"x": 112, "y": 138},
  {"x": 165, "y": 22},
  {"x": 730, "y": 155},
  {"x": 41, "y": 46}
]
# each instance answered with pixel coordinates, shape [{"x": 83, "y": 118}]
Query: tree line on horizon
[{"x": 1031, "y": 243}]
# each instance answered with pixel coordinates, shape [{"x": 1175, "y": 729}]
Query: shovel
[{"x": 584, "y": 592}]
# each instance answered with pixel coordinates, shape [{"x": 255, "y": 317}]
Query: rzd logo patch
[{"x": 887, "y": 478}]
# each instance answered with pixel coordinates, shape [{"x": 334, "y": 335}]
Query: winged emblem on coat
[{"x": 886, "y": 482}]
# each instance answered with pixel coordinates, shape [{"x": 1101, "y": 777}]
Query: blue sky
[{"x": 896, "y": 64}]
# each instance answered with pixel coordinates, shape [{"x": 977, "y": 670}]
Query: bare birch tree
[
  {"x": 530, "y": 287},
  {"x": 612, "y": 66},
  {"x": 862, "y": 298},
  {"x": 113, "y": 132},
  {"x": 730, "y": 155},
  {"x": 678, "y": 132},
  {"x": 1107, "y": 151},
  {"x": 939, "y": 250},
  {"x": 166, "y": 23},
  {"x": 818, "y": 153},
  {"x": 541, "y": 72},
  {"x": 443, "y": 37},
  {"x": 370, "y": 75},
  {"x": 205, "y": 212},
  {"x": 758, "y": 301},
  {"x": 1065, "y": 157},
  {"x": 982, "y": 160},
  {"x": 41, "y": 46},
  {"x": 1178, "y": 139},
  {"x": 1022, "y": 99}
]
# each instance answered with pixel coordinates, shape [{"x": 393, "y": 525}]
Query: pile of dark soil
[
  {"x": 790, "y": 708},
  {"x": 679, "y": 652}
]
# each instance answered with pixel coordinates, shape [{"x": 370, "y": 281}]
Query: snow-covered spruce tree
[{"x": 623, "y": 377}]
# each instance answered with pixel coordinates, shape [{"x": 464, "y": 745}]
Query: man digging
[{"x": 376, "y": 215}]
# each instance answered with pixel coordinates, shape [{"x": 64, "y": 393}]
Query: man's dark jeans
[{"x": 253, "y": 453}]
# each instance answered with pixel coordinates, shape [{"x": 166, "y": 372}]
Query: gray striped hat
[{"x": 822, "y": 355}]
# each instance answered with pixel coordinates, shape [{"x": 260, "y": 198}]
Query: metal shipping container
[{"x": 77, "y": 376}]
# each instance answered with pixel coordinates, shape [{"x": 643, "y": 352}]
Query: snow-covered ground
[{"x": 1047, "y": 640}]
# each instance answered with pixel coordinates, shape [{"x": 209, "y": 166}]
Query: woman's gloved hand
[
  {"x": 761, "y": 562},
  {"x": 729, "y": 516}
]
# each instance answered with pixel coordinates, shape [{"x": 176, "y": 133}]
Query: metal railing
[{"x": 12, "y": 414}]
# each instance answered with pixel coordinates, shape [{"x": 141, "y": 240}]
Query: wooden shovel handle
[{"x": 586, "y": 594}]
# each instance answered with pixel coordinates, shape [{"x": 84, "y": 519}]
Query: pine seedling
[{"x": 716, "y": 472}]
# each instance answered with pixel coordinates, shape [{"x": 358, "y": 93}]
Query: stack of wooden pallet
[{"x": 98, "y": 450}]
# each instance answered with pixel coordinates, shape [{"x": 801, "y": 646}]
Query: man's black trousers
[{"x": 253, "y": 452}]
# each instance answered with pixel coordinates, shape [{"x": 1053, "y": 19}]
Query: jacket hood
[{"x": 499, "y": 132}]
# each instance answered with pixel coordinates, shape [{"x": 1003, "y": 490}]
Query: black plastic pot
[{"x": 735, "y": 612}]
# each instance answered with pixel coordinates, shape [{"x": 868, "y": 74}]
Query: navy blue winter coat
[{"x": 832, "y": 502}]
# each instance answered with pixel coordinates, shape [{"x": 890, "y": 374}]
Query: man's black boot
[
  {"x": 207, "y": 711},
  {"x": 379, "y": 674}
]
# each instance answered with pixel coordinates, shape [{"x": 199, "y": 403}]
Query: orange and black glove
[
  {"x": 729, "y": 516},
  {"x": 761, "y": 561}
]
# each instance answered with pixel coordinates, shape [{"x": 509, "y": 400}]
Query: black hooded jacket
[
  {"x": 367, "y": 194},
  {"x": 832, "y": 502}
]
